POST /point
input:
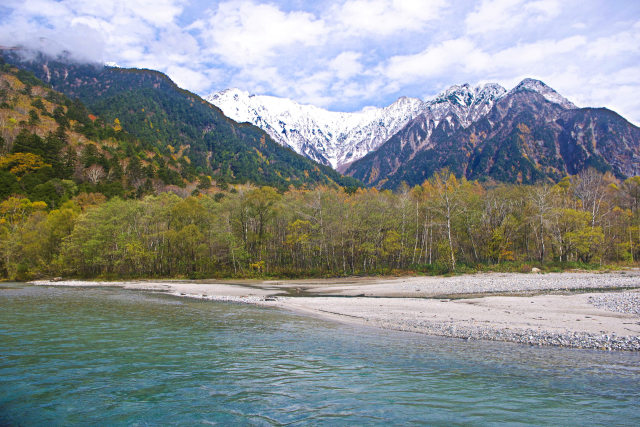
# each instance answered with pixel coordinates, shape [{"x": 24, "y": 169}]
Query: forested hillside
[
  {"x": 150, "y": 107},
  {"x": 443, "y": 225},
  {"x": 53, "y": 149}
]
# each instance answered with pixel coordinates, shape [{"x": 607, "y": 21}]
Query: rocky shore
[
  {"x": 466, "y": 285},
  {"x": 534, "y": 337}
]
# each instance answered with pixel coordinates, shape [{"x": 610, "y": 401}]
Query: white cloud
[
  {"x": 189, "y": 79},
  {"x": 154, "y": 12},
  {"x": 616, "y": 90},
  {"x": 27, "y": 8},
  {"x": 431, "y": 62},
  {"x": 543, "y": 9},
  {"x": 113, "y": 30},
  {"x": 542, "y": 54},
  {"x": 246, "y": 33},
  {"x": 85, "y": 43},
  {"x": 346, "y": 65},
  {"x": 312, "y": 89},
  {"x": 261, "y": 80},
  {"x": 385, "y": 17},
  {"x": 619, "y": 44},
  {"x": 349, "y": 52},
  {"x": 356, "y": 91},
  {"x": 504, "y": 15},
  {"x": 492, "y": 15}
]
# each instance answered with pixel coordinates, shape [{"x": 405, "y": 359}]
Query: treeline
[{"x": 444, "y": 225}]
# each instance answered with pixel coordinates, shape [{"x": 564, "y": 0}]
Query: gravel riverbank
[
  {"x": 534, "y": 337},
  {"x": 556, "y": 320},
  {"x": 465, "y": 285},
  {"x": 582, "y": 310}
]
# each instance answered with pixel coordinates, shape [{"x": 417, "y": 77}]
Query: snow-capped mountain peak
[
  {"x": 457, "y": 94},
  {"x": 467, "y": 103},
  {"x": 548, "y": 93}
]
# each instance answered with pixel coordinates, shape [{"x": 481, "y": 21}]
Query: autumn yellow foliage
[
  {"x": 22, "y": 163},
  {"x": 524, "y": 128}
]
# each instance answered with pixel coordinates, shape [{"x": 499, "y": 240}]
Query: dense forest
[
  {"x": 443, "y": 225},
  {"x": 52, "y": 149}
]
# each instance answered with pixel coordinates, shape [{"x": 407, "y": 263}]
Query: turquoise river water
[{"x": 105, "y": 356}]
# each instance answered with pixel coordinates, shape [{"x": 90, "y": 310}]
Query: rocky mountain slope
[
  {"x": 528, "y": 134},
  {"x": 53, "y": 149}
]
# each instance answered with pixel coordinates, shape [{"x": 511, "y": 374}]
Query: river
[{"x": 107, "y": 356}]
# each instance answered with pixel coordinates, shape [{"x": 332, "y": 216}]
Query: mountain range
[
  {"x": 530, "y": 134},
  {"x": 527, "y": 134}
]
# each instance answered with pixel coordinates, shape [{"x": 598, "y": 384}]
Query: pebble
[
  {"x": 233, "y": 299},
  {"x": 507, "y": 283},
  {"x": 621, "y": 302},
  {"x": 530, "y": 337}
]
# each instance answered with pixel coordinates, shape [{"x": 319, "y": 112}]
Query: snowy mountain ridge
[
  {"x": 338, "y": 139},
  {"x": 328, "y": 137}
]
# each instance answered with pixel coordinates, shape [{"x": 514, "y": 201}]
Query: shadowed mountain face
[
  {"x": 149, "y": 106},
  {"x": 530, "y": 134}
]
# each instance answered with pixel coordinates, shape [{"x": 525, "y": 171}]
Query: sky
[{"x": 345, "y": 55}]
